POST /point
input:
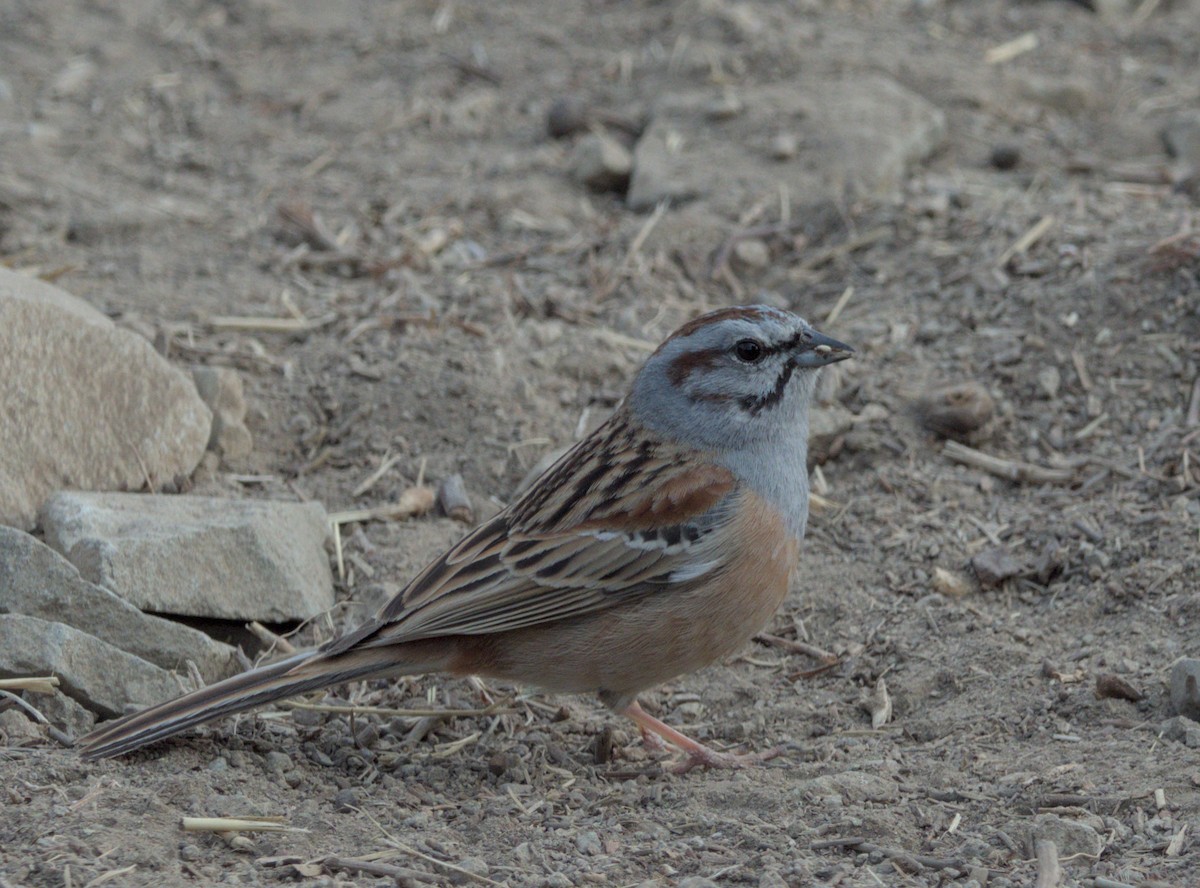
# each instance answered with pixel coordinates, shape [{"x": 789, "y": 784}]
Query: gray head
[{"x": 734, "y": 379}]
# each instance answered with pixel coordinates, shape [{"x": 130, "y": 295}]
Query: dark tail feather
[{"x": 295, "y": 675}]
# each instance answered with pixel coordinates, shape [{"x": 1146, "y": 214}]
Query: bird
[{"x": 657, "y": 545}]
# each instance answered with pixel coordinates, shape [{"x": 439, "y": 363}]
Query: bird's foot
[{"x": 696, "y": 755}]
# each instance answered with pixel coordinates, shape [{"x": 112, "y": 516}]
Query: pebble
[
  {"x": 955, "y": 411},
  {"x": 785, "y": 146},
  {"x": 601, "y": 163},
  {"x": 994, "y": 565},
  {"x": 566, "y": 116},
  {"x": 1185, "y": 688},
  {"x": 345, "y": 801},
  {"x": 277, "y": 762},
  {"x": 588, "y": 843},
  {"x": 1005, "y": 156},
  {"x": 752, "y": 253},
  {"x": 697, "y": 882}
]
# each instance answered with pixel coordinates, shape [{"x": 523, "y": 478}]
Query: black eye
[{"x": 749, "y": 351}]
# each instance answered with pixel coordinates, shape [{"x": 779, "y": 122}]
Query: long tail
[{"x": 296, "y": 675}]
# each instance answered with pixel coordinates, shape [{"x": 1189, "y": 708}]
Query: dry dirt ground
[{"x": 472, "y": 308}]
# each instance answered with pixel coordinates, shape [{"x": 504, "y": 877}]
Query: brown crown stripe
[
  {"x": 689, "y": 362},
  {"x": 715, "y": 317}
]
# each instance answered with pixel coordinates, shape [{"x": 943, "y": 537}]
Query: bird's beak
[{"x": 818, "y": 350}]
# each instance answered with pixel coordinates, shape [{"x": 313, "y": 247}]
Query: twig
[
  {"x": 1049, "y": 872},
  {"x": 1006, "y": 52},
  {"x": 1193, "y": 411},
  {"x": 238, "y": 824},
  {"x": 1012, "y": 470},
  {"x": 35, "y": 684},
  {"x": 851, "y": 245},
  {"x": 373, "y": 478},
  {"x": 414, "y": 501},
  {"x": 1027, "y": 240},
  {"x": 374, "y": 868},
  {"x": 798, "y": 647},
  {"x": 271, "y": 639},
  {"x": 452, "y": 497},
  {"x": 270, "y": 325},
  {"x": 843, "y": 301},
  {"x": 915, "y": 861}
]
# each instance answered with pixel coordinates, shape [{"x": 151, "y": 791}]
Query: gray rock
[
  {"x": 601, "y": 163},
  {"x": 98, "y": 407},
  {"x": 1182, "y": 730},
  {"x": 17, "y": 728},
  {"x": 65, "y": 713},
  {"x": 1181, "y": 139},
  {"x": 198, "y": 556},
  {"x": 1185, "y": 688},
  {"x": 100, "y": 676},
  {"x": 221, "y": 389},
  {"x": 994, "y": 565},
  {"x": 1070, "y": 836},
  {"x": 860, "y": 135},
  {"x": 38, "y": 582}
]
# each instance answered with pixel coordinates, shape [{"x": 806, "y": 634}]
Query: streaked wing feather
[{"x": 618, "y": 515}]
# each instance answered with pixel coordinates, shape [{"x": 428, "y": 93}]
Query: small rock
[
  {"x": 588, "y": 842},
  {"x": 38, "y": 582},
  {"x": 752, "y": 253},
  {"x": 994, "y": 565},
  {"x": 1113, "y": 687},
  {"x": 18, "y": 729},
  {"x": 1070, "y": 836},
  {"x": 221, "y": 389},
  {"x": 784, "y": 146},
  {"x": 218, "y": 765},
  {"x": 950, "y": 583},
  {"x": 827, "y": 425},
  {"x": 75, "y": 434},
  {"x": 771, "y": 879},
  {"x": 697, "y": 882},
  {"x": 1185, "y": 688},
  {"x": 65, "y": 714},
  {"x": 476, "y": 866},
  {"x": 955, "y": 411},
  {"x": 277, "y": 762},
  {"x": 346, "y": 801},
  {"x": 1005, "y": 156},
  {"x": 74, "y": 80},
  {"x": 558, "y": 880},
  {"x": 100, "y": 676},
  {"x": 601, "y": 163},
  {"x": 1058, "y": 95},
  {"x": 1182, "y": 730},
  {"x": 566, "y": 116},
  {"x": 198, "y": 556},
  {"x": 1050, "y": 379},
  {"x": 1181, "y": 139},
  {"x": 727, "y": 107}
]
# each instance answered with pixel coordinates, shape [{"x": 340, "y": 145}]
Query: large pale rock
[
  {"x": 859, "y": 134},
  {"x": 102, "y": 677},
  {"x": 197, "y": 556},
  {"x": 38, "y": 582},
  {"x": 85, "y": 404}
]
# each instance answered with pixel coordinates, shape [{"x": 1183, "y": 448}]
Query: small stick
[
  {"x": 35, "y": 684},
  {"x": 270, "y": 325},
  {"x": 843, "y": 301},
  {"x": 1027, "y": 240},
  {"x": 1006, "y": 52},
  {"x": 1193, "y": 412},
  {"x": 798, "y": 647},
  {"x": 238, "y": 824},
  {"x": 271, "y": 639},
  {"x": 373, "y": 478},
  {"x": 1011, "y": 470},
  {"x": 414, "y": 501},
  {"x": 1049, "y": 872},
  {"x": 452, "y": 497},
  {"x": 374, "y": 868}
]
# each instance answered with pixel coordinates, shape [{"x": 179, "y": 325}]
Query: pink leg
[{"x": 697, "y": 754}]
